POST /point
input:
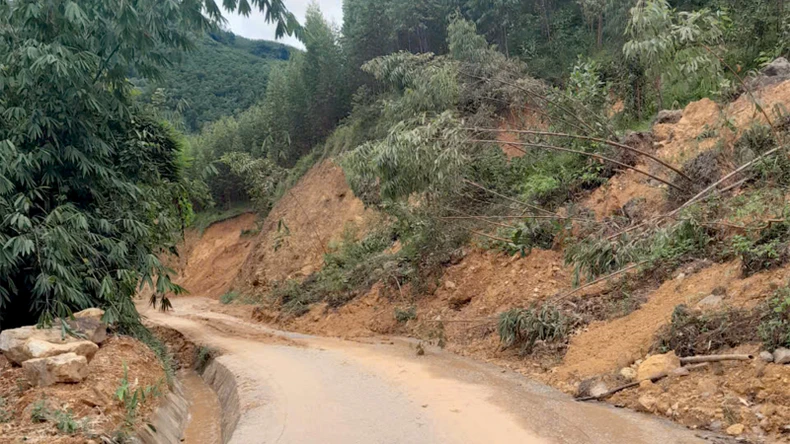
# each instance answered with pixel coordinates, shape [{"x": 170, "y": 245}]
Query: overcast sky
[{"x": 254, "y": 26}]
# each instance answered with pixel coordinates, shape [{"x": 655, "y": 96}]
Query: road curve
[{"x": 297, "y": 389}]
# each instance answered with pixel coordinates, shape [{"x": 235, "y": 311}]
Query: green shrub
[
  {"x": 770, "y": 250},
  {"x": 64, "y": 421},
  {"x": 40, "y": 411},
  {"x": 533, "y": 233},
  {"x": 405, "y": 315},
  {"x": 774, "y": 327},
  {"x": 524, "y": 327}
]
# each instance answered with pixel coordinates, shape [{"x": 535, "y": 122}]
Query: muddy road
[{"x": 296, "y": 389}]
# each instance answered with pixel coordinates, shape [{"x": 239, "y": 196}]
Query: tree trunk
[{"x": 600, "y": 30}]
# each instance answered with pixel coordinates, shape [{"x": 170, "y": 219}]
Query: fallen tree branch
[
  {"x": 601, "y": 279},
  {"x": 480, "y": 233},
  {"x": 634, "y": 384},
  {"x": 536, "y": 208},
  {"x": 517, "y": 146},
  {"x": 589, "y": 138},
  {"x": 715, "y": 358}
]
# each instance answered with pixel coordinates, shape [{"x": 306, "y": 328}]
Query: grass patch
[
  {"x": 774, "y": 329},
  {"x": 229, "y": 297}
]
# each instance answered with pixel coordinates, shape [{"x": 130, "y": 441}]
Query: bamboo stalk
[
  {"x": 568, "y": 150},
  {"x": 601, "y": 279},
  {"x": 480, "y": 233},
  {"x": 715, "y": 358},
  {"x": 593, "y": 139}
]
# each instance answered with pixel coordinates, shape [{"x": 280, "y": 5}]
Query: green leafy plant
[
  {"x": 64, "y": 421},
  {"x": 531, "y": 234},
  {"x": 132, "y": 398},
  {"x": 774, "y": 327},
  {"x": 524, "y": 327},
  {"x": 40, "y": 411}
]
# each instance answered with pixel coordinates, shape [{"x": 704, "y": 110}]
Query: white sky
[{"x": 254, "y": 26}]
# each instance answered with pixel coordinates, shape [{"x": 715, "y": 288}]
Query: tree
[
  {"x": 90, "y": 186},
  {"x": 672, "y": 44}
]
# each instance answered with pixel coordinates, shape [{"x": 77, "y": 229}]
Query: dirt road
[{"x": 296, "y": 389}]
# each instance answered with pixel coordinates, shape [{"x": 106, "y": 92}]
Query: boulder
[
  {"x": 657, "y": 365},
  {"x": 668, "y": 116},
  {"x": 781, "y": 356},
  {"x": 66, "y": 368},
  {"x": 12, "y": 342},
  {"x": 774, "y": 73},
  {"x": 36, "y": 348},
  {"x": 711, "y": 301},
  {"x": 766, "y": 356}
]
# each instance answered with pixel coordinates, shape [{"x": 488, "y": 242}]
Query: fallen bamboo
[
  {"x": 536, "y": 208},
  {"x": 600, "y": 279},
  {"x": 589, "y": 138},
  {"x": 634, "y": 384},
  {"x": 517, "y": 146},
  {"x": 715, "y": 358}
]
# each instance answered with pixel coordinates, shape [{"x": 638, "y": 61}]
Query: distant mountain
[{"x": 225, "y": 75}]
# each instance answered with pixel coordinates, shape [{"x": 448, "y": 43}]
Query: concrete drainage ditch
[{"x": 203, "y": 406}]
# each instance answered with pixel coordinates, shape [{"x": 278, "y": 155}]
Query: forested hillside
[{"x": 223, "y": 75}]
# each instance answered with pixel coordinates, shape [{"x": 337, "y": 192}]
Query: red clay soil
[
  {"x": 92, "y": 403},
  {"x": 215, "y": 261},
  {"x": 316, "y": 211}
]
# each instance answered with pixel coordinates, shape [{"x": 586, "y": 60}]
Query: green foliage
[
  {"x": 769, "y": 250},
  {"x": 524, "y": 327},
  {"x": 222, "y": 76},
  {"x": 405, "y": 315},
  {"x": 229, "y": 297},
  {"x": 63, "y": 419},
  {"x": 533, "y": 233},
  {"x": 664, "y": 249},
  {"x": 774, "y": 327}
]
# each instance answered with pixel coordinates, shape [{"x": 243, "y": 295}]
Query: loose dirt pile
[{"x": 90, "y": 407}]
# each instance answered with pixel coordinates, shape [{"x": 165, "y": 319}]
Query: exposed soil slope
[
  {"x": 296, "y": 233},
  {"x": 214, "y": 260}
]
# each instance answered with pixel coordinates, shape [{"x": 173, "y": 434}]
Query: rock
[
  {"x": 680, "y": 371},
  {"x": 781, "y": 356},
  {"x": 92, "y": 328},
  {"x": 774, "y": 73},
  {"x": 36, "y": 348},
  {"x": 766, "y": 356},
  {"x": 628, "y": 373},
  {"x": 457, "y": 302},
  {"x": 450, "y": 285},
  {"x": 91, "y": 313},
  {"x": 12, "y": 342},
  {"x": 646, "y": 384},
  {"x": 668, "y": 116},
  {"x": 711, "y": 301},
  {"x": 735, "y": 430},
  {"x": 656, "y": 365},
  {"x": 66, "y": 368},
  {"x": 591, "y": 387},
  {"x": 647, "y": 403}
]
